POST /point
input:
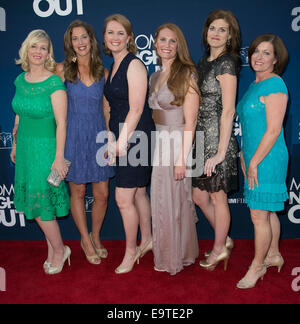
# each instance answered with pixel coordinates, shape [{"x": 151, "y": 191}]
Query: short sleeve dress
[
  {"x": 271, "y": 193},
  {"x": 134, "y": 169},
  {"x": 209, "y": 122},
  {"x": 36, "y": 149}
]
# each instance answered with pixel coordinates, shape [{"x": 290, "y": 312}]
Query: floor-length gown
[{"x": 175, "y": 242}]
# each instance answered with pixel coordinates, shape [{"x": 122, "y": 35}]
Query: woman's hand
[
  {"x": 114, "y": 149},
  {"x": 252, "y": 175},
  {"x": 110, "y": 154},
  {"x": 121, "y": 149},
  {"x": 210, "y": 165},
  {"x": 179, "y": 172},
  {"x": 60, "y": 166}
]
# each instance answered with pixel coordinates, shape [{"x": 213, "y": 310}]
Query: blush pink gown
[{"x": 175, "y": 242}]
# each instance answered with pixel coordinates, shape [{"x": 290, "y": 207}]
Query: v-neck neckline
[
  {"x": 111, "y": 78},
  {"x": 85, "y": 84},
  {"x": 161, "y": 87}
]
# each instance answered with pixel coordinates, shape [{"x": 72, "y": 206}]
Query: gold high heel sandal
[
  {"x": 248, "y": 284},
  {"x": 136, "y": 259},
  {"x": 147, "y": 248},
  {"x": 224, "y": 256},
  {"x": 55, "y": 270},
  {"x": 274, "y": 261},
  {"x": 92, "y": 259},
  {"x": 102, "y": 252},
  {"x": 229, "y": 245}
]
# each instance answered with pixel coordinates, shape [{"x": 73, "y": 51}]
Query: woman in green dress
[{"x": 40, "y": 104}]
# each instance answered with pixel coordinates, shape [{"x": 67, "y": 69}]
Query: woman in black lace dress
[{"x": 218, "y": 71}]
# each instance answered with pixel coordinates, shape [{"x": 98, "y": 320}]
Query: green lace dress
[{"x": 36, "y": 149}]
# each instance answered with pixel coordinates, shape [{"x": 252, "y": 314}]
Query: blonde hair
[
  {"x": 34, "y": 37},
  {"x": 128, "y": 28}
]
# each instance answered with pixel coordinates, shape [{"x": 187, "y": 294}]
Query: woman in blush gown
[{"x": 174, "y": 98}]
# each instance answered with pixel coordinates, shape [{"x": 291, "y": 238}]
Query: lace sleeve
[
  {"x": 55, "y": 83},
  {"x": 226, "y": 65},
  {"x": 274, "y": 85}
]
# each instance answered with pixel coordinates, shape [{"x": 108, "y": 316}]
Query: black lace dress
[{"x": 209, "y": 120}]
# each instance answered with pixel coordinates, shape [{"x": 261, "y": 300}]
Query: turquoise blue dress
[{"x": 271, "y": 192}]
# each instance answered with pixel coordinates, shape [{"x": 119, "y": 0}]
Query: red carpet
[{"x": 84, "y": 283}]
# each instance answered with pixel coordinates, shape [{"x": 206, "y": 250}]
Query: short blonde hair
[{"x": 34, "y": 37}]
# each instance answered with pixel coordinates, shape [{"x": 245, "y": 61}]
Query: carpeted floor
[{"x": 84, "y": 283}]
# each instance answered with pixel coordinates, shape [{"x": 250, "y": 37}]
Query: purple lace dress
[{"x": 85, "y": 122}]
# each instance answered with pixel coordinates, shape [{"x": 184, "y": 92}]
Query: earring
[
  {"x": 228, "y": 42},
  {"x": 74, "y": 59}
]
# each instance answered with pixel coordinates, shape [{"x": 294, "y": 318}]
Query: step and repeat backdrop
[{"x": 18, "y": 18}]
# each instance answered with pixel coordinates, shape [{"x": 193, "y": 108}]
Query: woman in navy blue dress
[
  {"x": 130, "y": 121},
  {"x": 84, "y": 76}
]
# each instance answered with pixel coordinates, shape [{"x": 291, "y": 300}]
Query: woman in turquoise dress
[
  {"x": 264, "y": 156},
  {"x": 40, "y": 104}
]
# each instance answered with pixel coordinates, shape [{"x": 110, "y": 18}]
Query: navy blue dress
[
  {"x": 134, "y": 169},
  {"x": 85, "y": 122}
]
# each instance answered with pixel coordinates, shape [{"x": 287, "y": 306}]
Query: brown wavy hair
[
  {"x": 183, "y": 72},
  {"x": 71, "y": 67},
  {"x": 280, "y": 51},
  {"x": 234, "y": 46},
  {"x": 128, "y": 28}
]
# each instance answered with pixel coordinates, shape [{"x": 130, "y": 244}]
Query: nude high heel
[
  {"x": 46, "y": 265},
  {"x": 56, "y": 270},
  {"x": 102, "y": 252},
  {"x": 92, "y": 259},
  {"x": 274, "y": 261},
  {"x": 136, "y": 259},
  {"x": 147, "y": 248},
  {"x": 223, "y": 256},
  {"x": 261, "y": 270}
]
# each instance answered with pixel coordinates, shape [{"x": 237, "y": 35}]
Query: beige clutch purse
[{"x": 54, "y": 179}]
